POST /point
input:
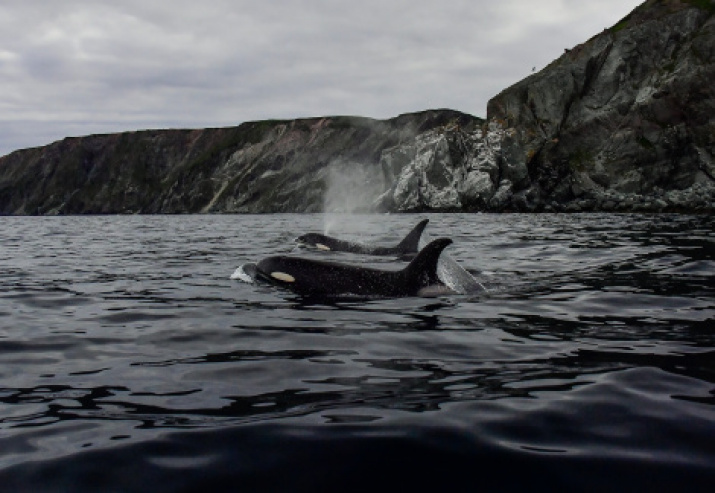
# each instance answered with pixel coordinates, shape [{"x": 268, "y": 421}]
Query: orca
[
  {"x": 408, "y": 246},
  {"x": 323, "y": 278}
]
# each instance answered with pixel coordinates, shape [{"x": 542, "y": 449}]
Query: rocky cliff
[
  {"x": 267, "y": 166},
  {"x": 622, "y": 122}
]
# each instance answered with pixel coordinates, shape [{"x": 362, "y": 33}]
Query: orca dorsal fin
[
  {"x": 422, "y": 271},
  {"x": 410, "y": 244}
]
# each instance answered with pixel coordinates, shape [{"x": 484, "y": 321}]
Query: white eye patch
[
  {"x": 320, "y": 246},
  {"x": 282, "y": 276}
]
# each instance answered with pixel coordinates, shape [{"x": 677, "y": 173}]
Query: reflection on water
[{"x": 122, "y": 335}]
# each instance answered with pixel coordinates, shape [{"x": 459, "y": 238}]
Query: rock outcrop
[
  {"x": 267, "y": 166},
  {"x": 622, "y": 122}
]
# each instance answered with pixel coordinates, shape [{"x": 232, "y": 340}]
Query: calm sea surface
[{"x": 130, "y": 361}]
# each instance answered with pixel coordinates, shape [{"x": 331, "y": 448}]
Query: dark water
[{"x": 129, "y": 361}]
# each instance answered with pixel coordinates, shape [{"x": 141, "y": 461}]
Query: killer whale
[
  {"x": 323, "y": 278},
  {"x": 409, "y": 245}
]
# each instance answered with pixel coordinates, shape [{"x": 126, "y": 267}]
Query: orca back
[
  {"x": 408, "y": 245},
  {"x": 323, "y": 278}
]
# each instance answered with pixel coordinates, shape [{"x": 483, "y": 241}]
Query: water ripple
[{"x": 124, "y": 343}]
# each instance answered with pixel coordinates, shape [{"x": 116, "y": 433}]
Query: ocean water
[{"x": 130, "y": 361}]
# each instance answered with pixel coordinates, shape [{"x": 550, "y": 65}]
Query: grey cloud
[{"x": 77, "y": 67}]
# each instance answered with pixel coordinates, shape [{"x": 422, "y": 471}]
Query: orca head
[
  {"x": 306, "y": 276},
  {"x": 277, "y": 270},
  {"x": 314, "y": 240}
]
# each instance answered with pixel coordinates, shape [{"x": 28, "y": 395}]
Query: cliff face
[
  {"x": 622, "y": 122},
  {"x": 630, "y": 112},
  {"x": 267, "y": 166}
]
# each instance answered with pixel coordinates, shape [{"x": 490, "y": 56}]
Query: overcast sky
[{"x": 78, "y": 67}]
